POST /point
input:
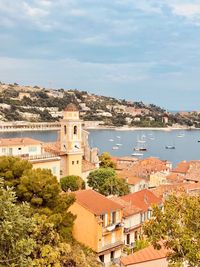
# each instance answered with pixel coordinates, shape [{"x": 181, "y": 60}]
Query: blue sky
[{"x": 145, "y": 50}]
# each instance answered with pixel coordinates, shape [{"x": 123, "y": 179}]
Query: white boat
[
  {"x": 180, "y": 135},
  {"x": 115, "y": 147},
  {"x": 111, "y": 140},
  {"x": 118, "y": 136},
  {"x": 118, "y": 144},
  {"x": 152, "y": 138},
  {"x": 137, "y": 154}
]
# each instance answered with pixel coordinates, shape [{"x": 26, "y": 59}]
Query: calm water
[{"x": 186, "y": 147}]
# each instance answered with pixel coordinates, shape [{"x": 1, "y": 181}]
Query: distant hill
[{"x": 27, "y": 103}]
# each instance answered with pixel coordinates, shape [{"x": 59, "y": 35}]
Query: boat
[
  {"x": 137, "y": 154},
  {"x": 111, "y": 140},
  {"x": 180, "y": 135},
  {"x": 152, "y": 138},
  {"x": 119, "y": 144},
  {"x": 140, "y": 149},
  {"x": 170, "y": 147},
  {"x": 115, "y": 147},
  {"x": 118, "y": 136}
]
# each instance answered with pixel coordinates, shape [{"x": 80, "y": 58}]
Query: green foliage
[
  {"x": 12, "y": 168},
  {"x": 105, "y": 181},
  {"x": 39, "y": 187},
  {"x": 178, "y": 226},
  {"x": 106, "y": 161},
  {"x": 72, "y": 183},
  {"x": 140, "y": 244},
  {"x": 16, "y": 224}
]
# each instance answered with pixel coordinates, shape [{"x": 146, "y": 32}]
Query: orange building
[{"x": 98, "y": 225}]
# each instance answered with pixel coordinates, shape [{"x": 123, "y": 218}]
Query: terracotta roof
[
  {"x": 87, "y": 166},
  {"x": 193, "y": 173},
  {"x": 130, "y": 178},
  {"x": 95, "y": 202},
  {"x": 144, "y": 255},
  {"x": 19, "y": 141},
  {"x": 128, "y": 208},
  {"x": 143, "y": 199},
  {"x": 178, "y": 188},
  {"x": 182, "y": 167},
  {"x": 174, "y": 177}
]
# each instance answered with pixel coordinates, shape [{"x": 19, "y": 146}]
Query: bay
[{"x": 186, "y": 142}]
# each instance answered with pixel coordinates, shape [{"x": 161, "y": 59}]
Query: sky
[{"x": 140, "y": 50}]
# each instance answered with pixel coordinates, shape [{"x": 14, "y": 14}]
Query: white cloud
[{"x": 187, "y": 10}]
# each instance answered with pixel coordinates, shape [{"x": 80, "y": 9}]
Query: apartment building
[
  {"x": 32, "y": 150},
  {"x": 98, "y": 225}
]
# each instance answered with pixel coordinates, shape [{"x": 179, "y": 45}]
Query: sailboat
[{"x": 140, "y": 145}]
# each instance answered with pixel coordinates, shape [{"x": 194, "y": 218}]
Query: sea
[{"x": 185, "y": 142}]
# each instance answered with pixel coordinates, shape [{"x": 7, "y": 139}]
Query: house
[
  {"x": 143, "y": 200},
  {"x": 147, "y": 257},
  {"x": 137, "y": 208},
  {"x": 32, "y": 150},
  {"x": 135, "y": 183},
  {"x": 98, "y": 225},
  {"x": 131, "y": 221}
]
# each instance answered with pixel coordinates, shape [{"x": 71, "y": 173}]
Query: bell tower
[{"x": 71, "y": 141}]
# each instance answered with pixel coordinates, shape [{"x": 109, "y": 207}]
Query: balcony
[
  {"x": 112, "y": 227},
  {"x": 118, "y": 243}
]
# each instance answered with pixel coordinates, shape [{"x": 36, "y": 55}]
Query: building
[
  {"x": 131, "y": 221},
  {"x": 143, "y": 200},
  {"x": 63, "y": 157},
  {"x": 32, "y": 150},
  {"x": 98, "y": 225},
  {"x": 147, "y": 257}
]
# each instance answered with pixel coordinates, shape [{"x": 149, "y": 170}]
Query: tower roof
[{"x": 71, "y": 107}]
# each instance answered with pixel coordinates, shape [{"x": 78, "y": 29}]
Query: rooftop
[
  {"x": 128, "y": 208},
  {"x": 182, "y": 167},
  {"x": 71, "y": 107},
  {"x": 144, "y": 255},
  {"x": 19, "y": 141},
  {"x": 143, "y": 199},
  {"x": 95, "y": 202},
  {"x": 87, "y": 166}
]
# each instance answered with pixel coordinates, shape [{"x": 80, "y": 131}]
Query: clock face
[{"x": 76, "y": 145}]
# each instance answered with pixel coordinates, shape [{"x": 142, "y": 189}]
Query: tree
[
  {"x": 72, "y": 183},
  {"x": 106, "y": 161},
  {"x": 178, "y": 226},
  {"x": 106, "y": 182},
  {"x": 16, "y": 224}
]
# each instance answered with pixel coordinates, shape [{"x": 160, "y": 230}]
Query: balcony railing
[{"x": 112, "y": 245}]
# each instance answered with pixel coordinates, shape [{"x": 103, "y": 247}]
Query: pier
[{"x": 28, "y": 126}]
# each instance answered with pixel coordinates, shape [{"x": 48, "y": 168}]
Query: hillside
[{"x": 27, "y": 103}]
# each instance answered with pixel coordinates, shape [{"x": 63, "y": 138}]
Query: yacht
[
  {"x": 170, "y": 147},
  {"x": 137, "y": 154},
  {"x": 115, "y": 147},
  {"x": 180, "y": 135},
  {"x": 111, "y": 140}
]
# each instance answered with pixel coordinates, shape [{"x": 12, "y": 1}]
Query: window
[
  {"x": 113, "y": 217},
  {"x": 54, "y": 169},
  {"x": 72, "y": 162},
  {"x": 10, "y": 151},
  {"x": 75, "y": 129},
  {"x": 77, "y": 162},
  {"x": 112, "y": 254},
  {"x": 128, "y": 239},
  {"x": 136, "y": 235},
  {"x": 101, "y": 258},
  {"x": 65, "y": 129},
  {"x": 102, "y": 216},
  {"x": 32, "y": 149},
  {"x": 4, "y": 150},
  {"x": 19, "y": 148}
]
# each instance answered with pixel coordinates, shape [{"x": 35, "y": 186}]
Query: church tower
[{"x": 71, "y": 141}]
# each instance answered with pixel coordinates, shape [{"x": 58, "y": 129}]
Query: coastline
[{"x": 140, "y": 128}]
